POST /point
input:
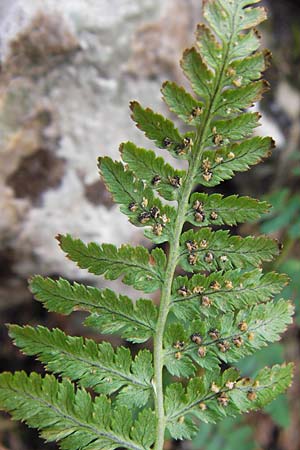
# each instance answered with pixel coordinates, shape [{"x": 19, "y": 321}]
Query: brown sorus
[{"x": 196, "y": 338}]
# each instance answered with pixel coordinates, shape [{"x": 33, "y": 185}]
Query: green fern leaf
[
  {"x": 209, "y": 48},
  {"x": 220, "y": 165},
  {"x": 195, "y": 70},
  {"x": 234, "y": 129},
  {"x": 133, "y": 263},
  {"x": 178, "y": 364},
  {"x": 247, "y": 43},
  {"x": 153, "y": 170},
  {"x": 214, "y": 397},
  {"x": 236, "y": 100},
  {"x": 144, "y": 429},
  {"x": 205, "y": 296},
  {"x": 73, "y": 418},
  {"x": 219, "y": 15},
  {"x": 209, "y": 250},
  {"x": 251, "y": 17},
  {"x": 160, "y": 130},
  {"x": 230, "y": 337},
  {"x": 95, "y": 366},
  {"x": 182, "y": 103},
  {"x": 110, "y": 313},
  {"x": 137, "y": 201},
  {"x": 219, "y": 19},
  {"x": 242, "y": 72},
  {"x": 215, "y": 209}
]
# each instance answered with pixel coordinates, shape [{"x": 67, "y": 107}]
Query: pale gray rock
[
  {"x": 69, "y": 71},
  {"x": 288, "y": 98}
]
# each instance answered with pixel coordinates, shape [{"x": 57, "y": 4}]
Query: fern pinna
[{"x": 222, "y": 310}]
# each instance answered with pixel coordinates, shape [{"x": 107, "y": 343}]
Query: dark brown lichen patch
[
  {"x": 97, "y": 194},
  {"x": 156, "y": 45},
  {"x": 36, "y": 174},
  {"x": 43, "y": 44}
]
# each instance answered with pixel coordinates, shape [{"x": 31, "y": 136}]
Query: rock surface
[{"x": 68, "y": 74}]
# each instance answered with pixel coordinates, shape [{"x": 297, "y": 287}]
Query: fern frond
[
  {"x": 207, "y": 296},
  {"x": 236, "y": 100},
  {"x": 140, "y": 269},
  {"x": 200, "y": 77},
  {"x": 247, "y": 43},
  {"x": 210, "y": 399},
  {"x": 217, "y": 250},
  {"x": 248, "y": 69},
  {"x": 138, "y": 201},
  {"x": 160, "y": 130},
  {"x": 215, "y": 209},
  {"x": 162, "y": 177},
  {"x": 182, "y": 103},
  {"x": 219, "y": 165},
  {"x": 223, "y": 311},
  {"x": 219, "y": 14},
  {"x": 208, "y": 46},
  {"x": 72, "y": 417},
  {"x": 92, "y": 365},
  {"x": 109, "y": 313},
  {"x": 235, "y": 129},
  {"x": 227, "y": 337}
]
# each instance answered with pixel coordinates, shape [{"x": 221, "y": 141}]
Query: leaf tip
[
  {"x": 59, "y": 237},
  {"x": 133, "y": 104},
  {"x": 268, "y": 56},
  {"x": 99, "y": 162}
]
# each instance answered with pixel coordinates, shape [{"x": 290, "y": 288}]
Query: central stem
[
  {"x": 183, "y": 204},
  {"x": 163, "y": 314}
]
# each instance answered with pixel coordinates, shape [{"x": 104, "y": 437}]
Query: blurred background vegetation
[{"x": 67, "y": 73}]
